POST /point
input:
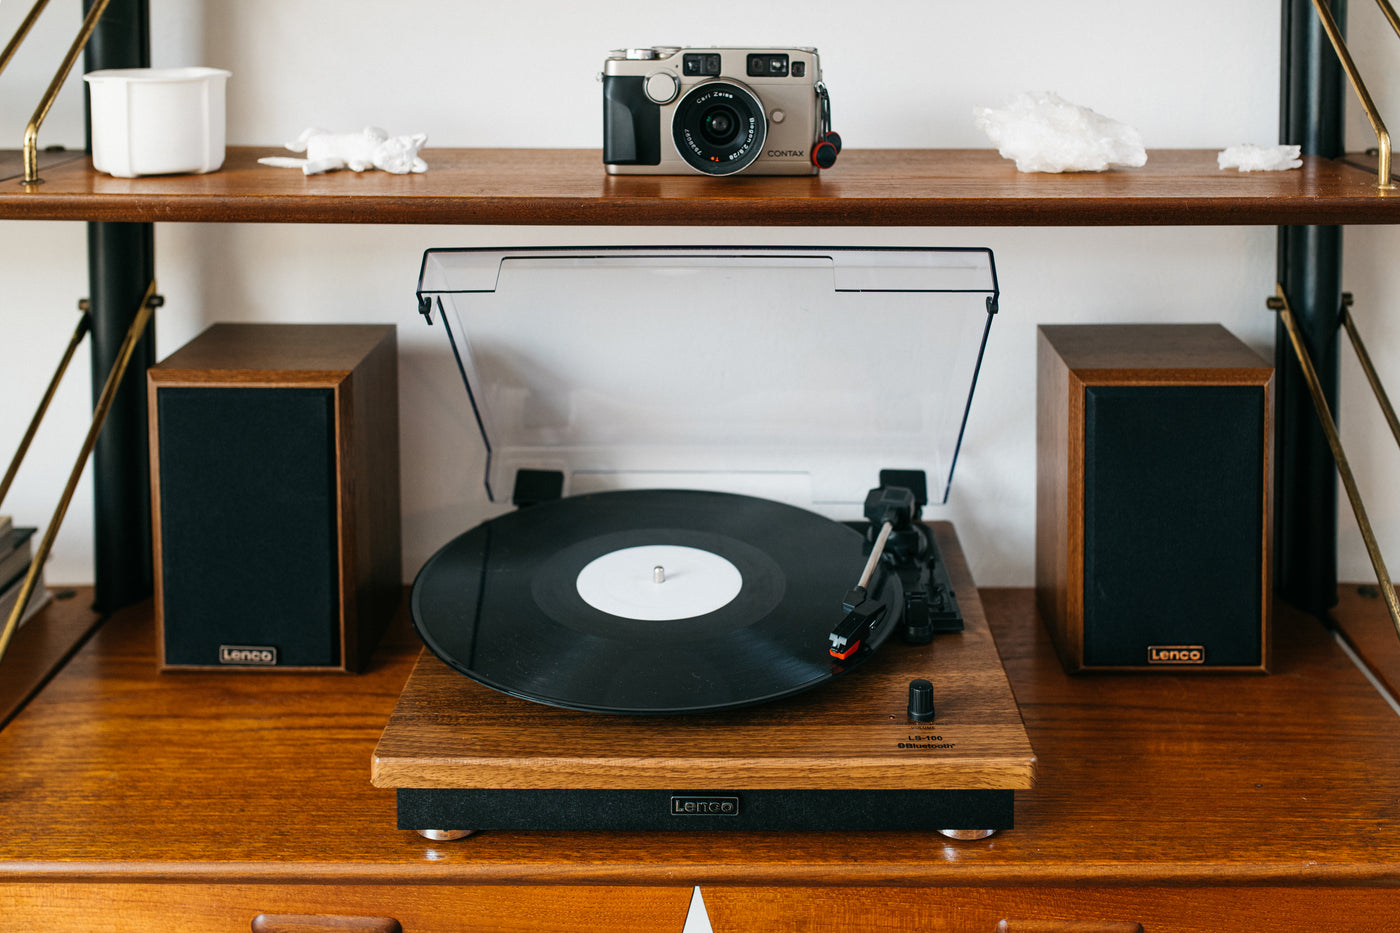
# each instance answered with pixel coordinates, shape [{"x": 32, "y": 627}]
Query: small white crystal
[
  {"x": 1252, "y": 158},
  {"x": 1043, "y": 132}
]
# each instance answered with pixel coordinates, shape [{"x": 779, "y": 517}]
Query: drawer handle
[
  {"x": 1068, "y": 926},
  {"x": 323, "y": 923}
]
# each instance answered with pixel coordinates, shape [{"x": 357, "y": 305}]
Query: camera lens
[{"x": 719, "y": 127}]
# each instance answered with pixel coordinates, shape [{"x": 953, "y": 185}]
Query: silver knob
[{"x": 662, "y": 87}]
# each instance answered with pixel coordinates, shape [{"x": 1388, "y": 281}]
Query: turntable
[{"x": 699, "y": 614}]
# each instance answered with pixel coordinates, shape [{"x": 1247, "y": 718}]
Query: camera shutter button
[{"x": 661, "y": 87}]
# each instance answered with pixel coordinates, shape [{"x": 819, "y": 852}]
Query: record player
[{"x": 709, "y": 600}]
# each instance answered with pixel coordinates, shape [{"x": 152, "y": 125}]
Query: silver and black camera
[{"x": 676, "y": 111}]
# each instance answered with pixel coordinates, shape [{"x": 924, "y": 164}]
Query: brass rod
[
  {"x": 79, "y": 333},
  {"x": 1334, "y": 33},
  {"x": 1371, "y": 376},
  {"x": 99, "y": 417},
  {"x": 20, "y": 33},
  {"x": 1329, "y": 427},
  {"x": 31, "y": 131},
  {"x": 1389, "y": 12}
]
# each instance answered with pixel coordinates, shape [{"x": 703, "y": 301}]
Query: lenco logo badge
[
  {"x": 704, "y": 806},
  {"x": 245, "y": 654},
  {"x": 1176, "y": 654}
]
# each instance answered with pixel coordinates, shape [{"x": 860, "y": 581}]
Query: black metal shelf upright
[
  {"x": 121, "y": 264},
  {"x": 1311, "y": 99}
]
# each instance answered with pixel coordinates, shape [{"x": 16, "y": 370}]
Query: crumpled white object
[
  {"x": 359, "y": 152},
  {"x": 1043, "y": 132},
  {"x": 1252, "y": 158}
]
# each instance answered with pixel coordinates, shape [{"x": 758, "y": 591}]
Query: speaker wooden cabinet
[
  {"x": 1153, "y": 497},
  {"x": 275, "y": 493}
]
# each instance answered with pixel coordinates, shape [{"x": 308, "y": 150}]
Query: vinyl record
[{"x": 567, "y": 602}]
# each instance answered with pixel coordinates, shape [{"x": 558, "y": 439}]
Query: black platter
[{"x": 500, "y": 603}]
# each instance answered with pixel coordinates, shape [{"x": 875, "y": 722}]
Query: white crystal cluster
[
  {"x": 370, "y": 148},
  {"x": 1043, "y": 132},
  {"x": 1252, "y": 158}
]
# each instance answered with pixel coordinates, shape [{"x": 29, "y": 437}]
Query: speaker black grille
[
  {"x": 248, "y": 523},
  {"x": 1173, "y": 523}
]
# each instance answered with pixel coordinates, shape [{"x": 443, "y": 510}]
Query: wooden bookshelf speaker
[
  {"x": 275, "y": 491},
  {"x": 1153, "y": 497}
]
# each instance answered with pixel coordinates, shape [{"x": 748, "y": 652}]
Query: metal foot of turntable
[
  {"x": 446, "y": 835},
  {"x": 967, "y": 835}
]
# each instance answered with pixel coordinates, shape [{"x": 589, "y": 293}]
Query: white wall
[{"x": 902, "y": 74}]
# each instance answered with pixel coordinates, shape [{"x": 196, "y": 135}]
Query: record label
[
  {"x": 659, "y": 582},
  {"x": 512, "y": 603}
]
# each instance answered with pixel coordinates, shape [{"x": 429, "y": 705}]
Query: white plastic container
[{"x": 157, "y": 121}]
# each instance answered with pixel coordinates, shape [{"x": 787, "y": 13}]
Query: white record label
[{"x": 659, "y": 582}]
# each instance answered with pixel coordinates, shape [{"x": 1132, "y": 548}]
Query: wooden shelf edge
[
  {"x": 662, "y": 872},
  {"x": 571, "y": 187}
]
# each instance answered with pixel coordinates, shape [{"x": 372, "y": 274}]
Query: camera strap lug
[{"x": 828, "y": 142}]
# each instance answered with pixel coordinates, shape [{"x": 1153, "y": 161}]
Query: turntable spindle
[{"x": 658, "y": 574}]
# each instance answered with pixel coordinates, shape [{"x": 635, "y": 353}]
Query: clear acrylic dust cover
[{"x": 795, "y": 374}]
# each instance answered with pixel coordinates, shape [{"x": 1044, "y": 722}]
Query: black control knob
[{"x": 920, "y": 700}]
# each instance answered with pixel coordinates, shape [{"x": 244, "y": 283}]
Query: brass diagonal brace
[
  {"x": 31, "y": 131},
  {"x": 149, "y": 302},
  {"x": 84, "y": 324},
  {"x": 1280, "y": 304},
  {"x": 1334, "y": 34}
]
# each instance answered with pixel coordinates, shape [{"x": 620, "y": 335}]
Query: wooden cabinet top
[{"x": 116, "y": 772}]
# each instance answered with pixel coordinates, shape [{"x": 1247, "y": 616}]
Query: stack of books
[{"x": 16, "y": 554}]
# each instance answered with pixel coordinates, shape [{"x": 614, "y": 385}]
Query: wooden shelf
[
  {"x": 195, "y": 801},
  {"x": 570, "y": 187},
  {"x": 1362, "y": 618},
  {"x": 43, "y": 645}
]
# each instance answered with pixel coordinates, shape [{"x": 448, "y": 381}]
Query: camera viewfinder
[
  {"x": 768, "y": 65},
  {"x": 700, "y": 64}
]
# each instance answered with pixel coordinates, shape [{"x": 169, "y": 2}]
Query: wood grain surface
[
  {"x": 259, "y": 354},
  {"x": 448, "y": 731},
  {"x": 879, "y": 187},
  {"x": 196, "y": 801},
  {"x": 12, "y": 162}
]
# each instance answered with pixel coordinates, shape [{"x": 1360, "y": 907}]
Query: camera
[{"x": 670, "y": 110}]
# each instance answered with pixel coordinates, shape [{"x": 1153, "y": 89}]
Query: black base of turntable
[{"x": 760, "y": 810}]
